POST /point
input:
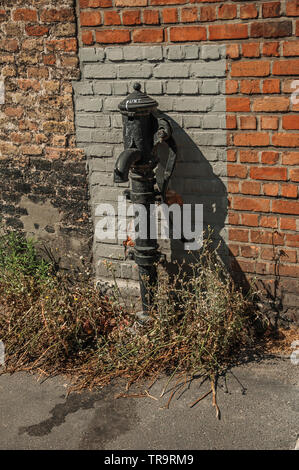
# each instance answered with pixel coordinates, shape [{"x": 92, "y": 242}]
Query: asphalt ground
[{"x": 258, "y": 403}]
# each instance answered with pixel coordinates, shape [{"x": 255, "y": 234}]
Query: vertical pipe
[{"x": 146, "y": 248}]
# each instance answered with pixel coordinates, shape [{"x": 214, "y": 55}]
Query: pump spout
[{"x": 126, "y": 159}]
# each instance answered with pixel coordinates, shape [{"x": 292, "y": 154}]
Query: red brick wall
[
  {"x": 262, "y": 41},
  {"x": 40, "y": 165}
]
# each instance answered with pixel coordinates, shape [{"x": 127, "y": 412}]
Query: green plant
[{"x": 19, "y": 260}]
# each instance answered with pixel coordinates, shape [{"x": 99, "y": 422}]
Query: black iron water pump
[{"x": 144, "y": 128}]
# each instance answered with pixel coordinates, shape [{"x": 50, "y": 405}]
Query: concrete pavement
[{"x": 259, "y": 404}]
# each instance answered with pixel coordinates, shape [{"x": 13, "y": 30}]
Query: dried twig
[
  {"x": 214, "y": 398},
  {"x": 150, "y": 396},
  {"x": 201, "y": 398}
]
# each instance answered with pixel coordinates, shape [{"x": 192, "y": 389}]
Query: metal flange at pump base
[{"x": 143, "y": 130}]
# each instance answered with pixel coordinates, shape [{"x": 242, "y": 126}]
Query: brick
[
  {"x": 290, "y": 121},
  {"x": 90, "y": 18},
  {"x": 102, "y": 71},
  {"x": 172, "y": 70},
  {"x": 252, "y": 220},
  {"x": 291, "y": 48},
  {"x": 67, "y": 61},
  {"x": 271, "y": 29},
  {"x": 154, "y": 53},
  {"x": 285, "y": 270},
  {"x": 290, "y": 158},
  {"x": 2, "y": 15},
  {"x": 14, "y": 111},
  {"x": 210, "y": 69},
  {"x": 148, "y": 35},
  {"x": 228, "y": 31},
  {"x": 38, "y": 72},
  {"x": 87, "y": 37},
  {"x": 248, "y": 11},
  {"x": 249, "y": 251},
  {"x": 49, "y": 59},
  {"x": 10, "y": 45},
  {"x": 251, "y": 50},
  {"x": 266, "y": 173},
  {"x": 131, "y": 3},
  {"x": 168, "y": 2},
  {"x": 238, "y": 235},
  {"x": 173, "y": 87},
  {"x": 253, "y": 68},
  {"x": 131, "y": 17},
  {"x": 187, "y": 33},
  {"x": 271, "y": 103},
  {"x": 268, "y": 221},
  {"x": 67, "y": 45},
  {"x": 271, "y": 49},
  {"x": 250, "y": 87},
  {"x": 233, "y": 217},
  {"x": 133, "y": 53},
  {"x": 208, "y": 13},
  {"x": 271, "y": 10},
  {"x": 232, "y": 51},
  {"x": 288, "y": 85},
  {"x": 251, "y": 204},
  {"x": 286, "y": 67},
  {"x": 269, "y": 122},
  {"x": 236, "y": 171},
  {"x": 227, "y": 11},
  {"x": 233, "y": 188},
  {"x": 290, "y": 190},
  {"x": 36, "y": 30},
  {"x": 287, "y": 224},
  {"x": 170, "y": 15},
  {"x": 136, "y": 71},
  {"x": 268, "y": 253},
  {"x": 270, "y": 158},
  {"x": 254, "y": 139},
  {"x": 292, "y": 8},
  {"x": 31, "y": 149},
  {"x": 243, "y": 266},
  {"x": 231, "y": 86},
  {"x": 231, "y": 122},
  {"x": 292, "y": 240},
  {"x": 237, "y": 104},
  {"x": 270, "y": 189},
  {"x": 210, "y": 52},
  {"x": 88, "y": 54},
  {"x": 175, "y": 52},
  {"x": 111, "y": 18},
  {"x": 26, "y": 84},
  {"x": 285, "y": 140},
  {"x": 25, "y": 14},
  {"x": 53, "y": 15},
  {"x": 231, "y": 155},
  {"x": 294, "y": 175},
  {"x": 272, "y": 85},
  {"x": 285, "y": 207},
  {"x": 263, "y": 237},
  {"x": 113, "y": 36},
  {"x": 189, "y": 15},
  {"x": 251, "y": 187},
  {"x": 151, "y": 17},
  {"x": 249, "y": 156},
  {"x": 95, "y": 3},
  {"x": 191, "y": 51},
  {"x": 248, "y": 122}
]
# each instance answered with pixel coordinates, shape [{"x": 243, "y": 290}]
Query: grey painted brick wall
[{"x": 188, "y": 81}]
